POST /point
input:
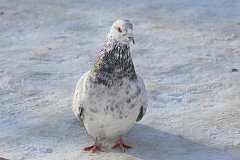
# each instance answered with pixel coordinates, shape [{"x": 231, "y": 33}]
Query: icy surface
[{"x": 185, "y": 52}]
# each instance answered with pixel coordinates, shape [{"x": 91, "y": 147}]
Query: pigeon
[{"x": 111, "y": 97}]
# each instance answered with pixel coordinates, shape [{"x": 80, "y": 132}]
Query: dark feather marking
[
  {"x": 129, "y": 100},
  {"x": 140, "y": 116},
  {"x": 135, "y": 96},
  {"x": 113, "y": 65},
  {"x": 112, "y": 109},
  {"x": 81, "y": 110}
]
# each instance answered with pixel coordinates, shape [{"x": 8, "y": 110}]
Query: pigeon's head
[{"x": 121, "y": 31}]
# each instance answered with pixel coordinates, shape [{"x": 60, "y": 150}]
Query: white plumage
[{"x": 111, "y": 97}]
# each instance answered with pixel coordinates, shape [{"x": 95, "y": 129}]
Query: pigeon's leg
[
  {"x": 120, "y": 144},
  {"x": 96, "y": 146}
]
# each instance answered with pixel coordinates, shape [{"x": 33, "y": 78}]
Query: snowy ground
[{"x": 185, "y": 51}]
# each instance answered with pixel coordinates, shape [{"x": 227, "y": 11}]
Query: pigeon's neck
[{"x": 113, "y": 63}]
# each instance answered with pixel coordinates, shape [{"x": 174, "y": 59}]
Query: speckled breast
[{"x": 112, "y": 110}]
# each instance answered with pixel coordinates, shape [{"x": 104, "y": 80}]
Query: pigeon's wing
[
  {"x": 77, "y": 106},
  {"x": 143, "y": 99}
]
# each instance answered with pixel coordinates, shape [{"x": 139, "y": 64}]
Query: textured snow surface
[{"x": 185, "y": 52}]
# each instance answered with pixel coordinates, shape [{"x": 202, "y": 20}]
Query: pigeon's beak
[{"x": 131, "y": 39}]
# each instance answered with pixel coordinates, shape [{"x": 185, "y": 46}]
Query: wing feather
[
  {"x": 143, "y": 99},
  {"x": 77, "y": 106}
]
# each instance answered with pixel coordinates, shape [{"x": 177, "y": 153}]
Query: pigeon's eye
[{"x": 119, "y": 29}]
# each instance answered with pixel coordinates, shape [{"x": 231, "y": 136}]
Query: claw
[
  {"x": 120, "y": 144},
  {"x": 97, "y": 146}
]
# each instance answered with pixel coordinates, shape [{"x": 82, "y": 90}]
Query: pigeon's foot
[
  {"x": 120, "y": 144},
  {"x": 96, "y": 146}
]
